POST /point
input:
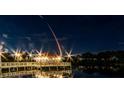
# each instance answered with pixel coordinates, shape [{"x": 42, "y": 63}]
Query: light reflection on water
[
  {"x": 54, "y": 74},
  {"x": 80, "y": 74},
  {"x": 38, "y": 74},
  {"x": 75, "y": 73}
]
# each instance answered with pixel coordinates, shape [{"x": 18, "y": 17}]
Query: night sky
[{"x": 80, "y": 33}]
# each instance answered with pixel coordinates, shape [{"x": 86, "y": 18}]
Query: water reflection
[
  {"x": 62, "y": 72},
  {"x": 38, "y": 74},
  {"x": 35, "y": 70},
  {"x": 54, "y": 74},
  {"x": 81, "y": 74}
]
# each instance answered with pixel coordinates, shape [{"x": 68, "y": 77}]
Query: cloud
[
  {"x": 121, "y": 43},
  {"x": 28, "y": 38},
  {"x": 63, "y": 38},
  {"x": 31, "y": 45},
  {"x": 36, "y": 34},
  {"x": 52, "y": 39},
  {"x": 5, "y": 35}
]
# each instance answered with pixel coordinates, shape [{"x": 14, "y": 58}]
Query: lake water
[
  {"x": 75, "y": 73},
  {"x": 80, "y": 74}
]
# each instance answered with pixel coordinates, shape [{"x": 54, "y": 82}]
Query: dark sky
[{"x": 82, "y": 33}]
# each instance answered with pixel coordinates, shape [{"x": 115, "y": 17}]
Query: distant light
[
  {"x": 39, "y": 52},
  {"x": 30, "y": 55},
  {"x": 69, "y": 55},
  {"x": 17, "y": 54},
  {"x": 59, "y": 58},
  {"x": 41, "y": 59}
]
